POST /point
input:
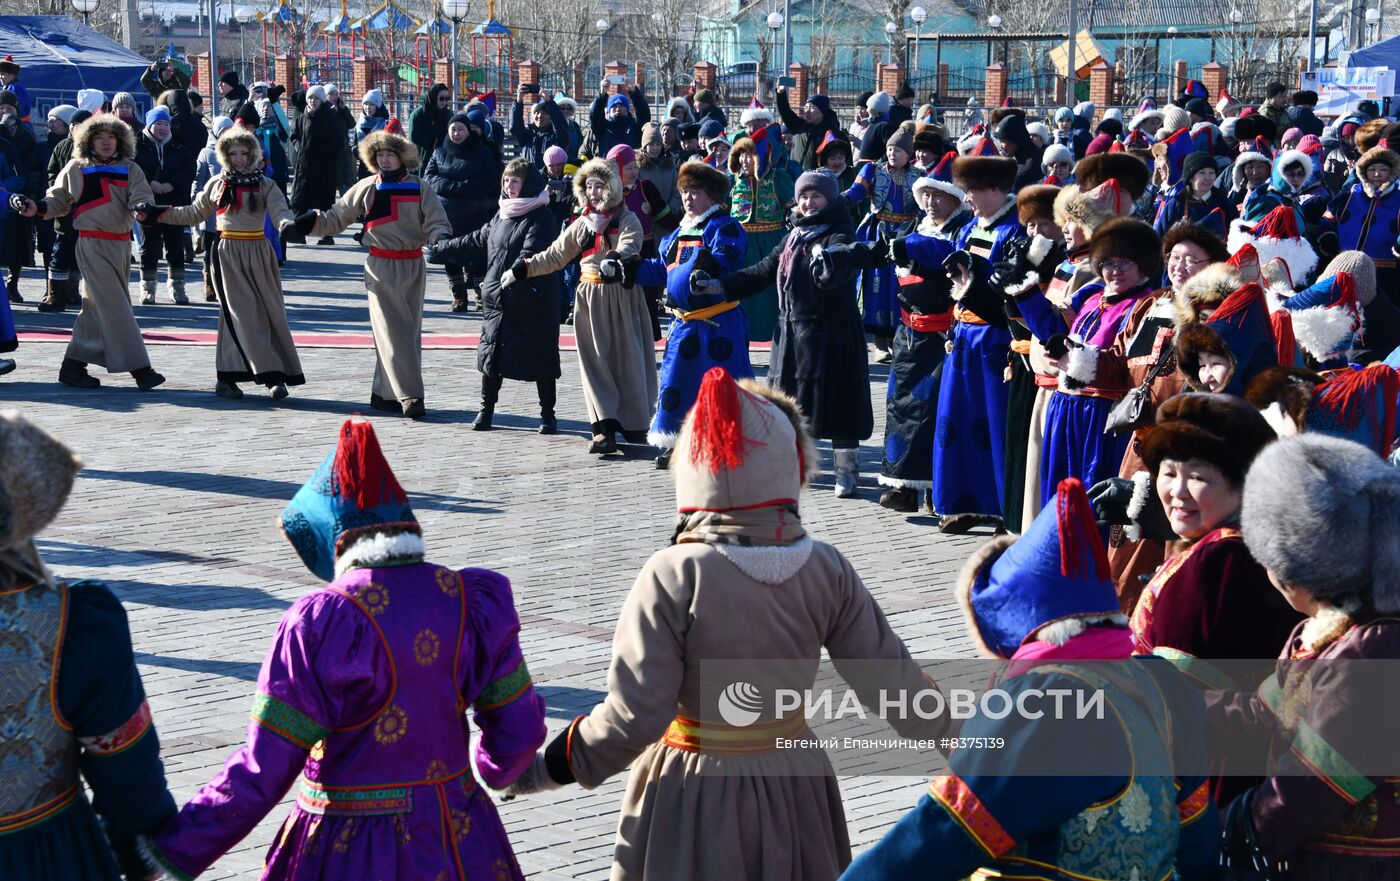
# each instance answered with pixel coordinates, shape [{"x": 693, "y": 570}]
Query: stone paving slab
[{"x": 177, "y": 510}]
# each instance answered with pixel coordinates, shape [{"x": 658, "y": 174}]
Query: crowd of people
[{"x": 1156, "y": 355}]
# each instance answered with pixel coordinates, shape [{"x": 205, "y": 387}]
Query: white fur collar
[
  {"x": 1327, "y": 626},
  {"x": 688, "y": 223},
  {"x": 768, "y": 564},
  {"x": 1324, "y": 332},
  {"x": 989, "y": 222},
  {"x": 1062, "y": 631},
  {"x": 377, "y": 549}
]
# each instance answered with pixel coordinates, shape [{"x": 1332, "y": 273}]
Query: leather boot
[
  {"x": 56, "y": 297},
  {"x": 490, "y": 393},
  {"x": 209, "y": 295},
  {"x": 175, "y": 286},
  {"x": 546, "y": 389},
  {"x": 461, "y": 297},
  {"x": 75, "y": 290},
  {"x": 12, "y": 287},
  {"x": 75, "y": 373}
]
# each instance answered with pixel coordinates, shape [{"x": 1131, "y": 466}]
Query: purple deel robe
[{"x": 361, "y": 703}]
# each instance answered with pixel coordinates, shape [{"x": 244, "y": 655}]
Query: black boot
[
  {"x": 548, "y": 425},
  {"x": 385, "y": 405},
  {"x": 903, "y": 499},
  {"x": 146, "y": 378},
  {"x": 75, "y": 373},
  {"x": 55, "y": 299},
  {"x": 75, "y": 291},
  {"x": 461, "y": 297},
  {"x": 490, "y": 393}
]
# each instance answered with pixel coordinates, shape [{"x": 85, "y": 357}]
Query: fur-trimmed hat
[
  {"x": 1277, "y": 235},
  {"x": 985, "y": 173},
  {"x": 1220, "y": 429},
  {"x": 696, "y": 175},
  {"x": 930, "y": 138},
  {"x": 36, "y": 475},
  {"x": 1195, "y": 234},
  {"x": 599, "y": 168},
  {"x": 940, "y": 178},
  {"x": 243, "y": 138},
  {"x": 382, "y": 140},
  {"x": 1323, "y": 515},
  {"x": 1143, "y": 116},
  {"x": 755, "y": 112},
  {"x": 834, "y": 142},
  {"x": 742, "y": 445},
  {"x": 1131, "y": 172},
  {"x": 1237, "y": 330},
  {"x": 1129, "y": 238},
  {"x": 1368, "y": 136},
  {"x": 1056, "y": 572},
  {"x": 1371, "y": 157},
  {"x": 85, "y": 132},
  {"x": 903, "y": 137},
  {"x": 1090, "y": 209},
  {"x": 1327, "y": 317},
  {"x": 1036, "y": 202},
  {"x": 1204, "y": 291},
  {"x": 9, "y": 65}
]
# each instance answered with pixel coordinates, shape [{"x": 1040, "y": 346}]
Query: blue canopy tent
[
  {"x": 59, "y": 55},
  {"x": 1386, "y": 53}
]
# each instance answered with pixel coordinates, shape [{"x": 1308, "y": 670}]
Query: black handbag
[{"x": 1131, "y": 412}]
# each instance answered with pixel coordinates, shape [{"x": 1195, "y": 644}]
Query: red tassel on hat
[
  {"x": 1081, "y": 546},
  {"x": 1246, "y": 260},
  {"x": 360, "y": 472},
  {"x": 1344, "y": 395},
  {"x": 1238, "y": 302},
  {"x": 717, "y": 423},
  {"x": 1281, "y": 223}
]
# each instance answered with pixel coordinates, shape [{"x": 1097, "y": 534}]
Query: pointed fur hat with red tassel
[{"x": 743, "y": 445}]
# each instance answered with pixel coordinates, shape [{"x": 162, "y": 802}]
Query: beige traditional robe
[
  {"x": 691, "y": 816},
  {"x": 254, "y": 342},
  {"x": 395, "y": 274},
  {"x": 105, "y": 332},
  {"x": 617, "y": 356}
]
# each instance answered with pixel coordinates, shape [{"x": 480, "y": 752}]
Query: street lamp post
[
  {"x": 1171, "y": 70},
  {"x": 243, "y": 15},
  {"x": 602, "y": 26},
  {"x": 1235, "y": 18},
  {"x": 776, "y": 21},
  {"x": 1373, "y": 18},
  {"x": 890, "y": 28},
  {"x": 919, "y": 15},
  {"x": 86, "y": 7},
  {"x": 456, "y": 10},
  {"x": 994, "y": 22},
  {"x": 658, "y": 19}
]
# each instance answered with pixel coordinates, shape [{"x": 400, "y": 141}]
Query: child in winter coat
[{"x": 1364, "y": 217}]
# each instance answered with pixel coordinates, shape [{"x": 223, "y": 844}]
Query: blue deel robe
[
  {"x": 998, "y": 811},
  {"x": 892, "y": 205},
  {"x": 717, "y": 246},
  {"x": 969, "y": 452}
]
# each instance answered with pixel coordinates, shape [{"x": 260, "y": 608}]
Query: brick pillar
[
  {"x": 529, "y": 74},
  {"x": 1178, "y": 79},
  {"x": 891, "y": 75},
  {"x": 615, "y": 68},
  {"x": 576, "y": 87},
  {"x": 1061, "y": 92},
  {"x": 203, "y": 80},
  {"x": 639, "y": 73},
  {"x": 994, "y": 89},
  {"x": 361, "y": 77},
  {"x": 1101, "y": 88},
  {"x": 284, "y": 73},
  {"x": 801, "y": 88},
  {"x": 442, "y": 71},
  {"x": 706, "y": 75},
  {"x": 1215, "y": 77},
  {"x": 943, "y": 82}
]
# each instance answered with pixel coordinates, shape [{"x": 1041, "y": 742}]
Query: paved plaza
[{"x": 177, "y": 509}]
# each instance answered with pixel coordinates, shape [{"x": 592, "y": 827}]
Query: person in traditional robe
[
  {"x": 74, "y": 708},
  {"x": 705, "y": 331},
  {"x": 742, "y": 580},
  {"x": 254, "y": 342},
  {"x": 888, "y": 185},
  {"x": 611, "y": 316},
  {"x": 647, "y": 204},
  {"x": 362, "y": 702},
  {"x": 99, "y": 186},
  {"x": 762, "y": 190},
  {"x": 1320, "y": 516},
  {"x": 968, "y": 458},
  {"x": 1043, "y": 602},
  {"x": 401, "y": 215}
]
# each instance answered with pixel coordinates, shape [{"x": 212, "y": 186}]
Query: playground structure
[{"x": 386, "y": 48}]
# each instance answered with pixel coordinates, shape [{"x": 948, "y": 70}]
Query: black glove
[
  {"x": 18, "y": 203},
  {"x": 823, "y": 260},
  {"x": 1057, "y": 346},
  {"x": 1240, "y": 853},
  {"x": 275, "y": 93},
  {"x": 610, "y": 268},
  {"x": 290, "y": 234},
  {"x": 305, "y": 222},
  {"x": 152, "y": 212},
  {"x": 1328, "y": 245},
  {"x": 133, "y": 863},
  {"x": 899, "y": 251},
  {"x": 1006, "y": 273},
  {"x": 705, "y": 287},
  {"x": 1110, "y": 499},
  {"x": 435, "y": 254},
  {"x": 629, "y": 272}
]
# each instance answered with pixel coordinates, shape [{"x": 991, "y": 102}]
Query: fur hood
[
  {"x": 84, "y": 133},
  {"x": 605, "y": 169},
  {"x": 36, "y": 474},
  {"x": 981, "y": 561},
  {"x": 806, "y": 444},
  {"x": 382, "y": 140},
  {"x": 1283, "y": 395},
  {"x": 1205, "y": 290},
  {"x": 243, "y": 138},
  {"x": 1373, "y": 155}
]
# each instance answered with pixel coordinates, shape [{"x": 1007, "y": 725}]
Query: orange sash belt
[
  {"x": 242, "y": 234},
  {"x": 694, "y": 736},
  {"x": 966, "y": 316}
]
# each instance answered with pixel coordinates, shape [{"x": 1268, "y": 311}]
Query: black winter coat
[
  {"x": 608, "y": 133},
  {"x": 1305, "y": 119},
  {"x": 229, "y": 104},
  {"x": 319, "y": 136},
  {"x": 185, "y": 125},
  {"x": 806, "y": 137},
  {"x": 427, "y": 125},
  {"x": 174, "y": 165},
  {"x": 819, "y": 354},
  {"x": 467, "y": 178},
  {"x": 533, "y": 142},
  {"x": 520, "y": 324}
]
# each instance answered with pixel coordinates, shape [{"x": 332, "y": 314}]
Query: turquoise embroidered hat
[{"x": 354, "y": 492}]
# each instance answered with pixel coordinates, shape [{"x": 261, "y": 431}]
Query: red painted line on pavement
[{"x": 567, "y": 342}]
